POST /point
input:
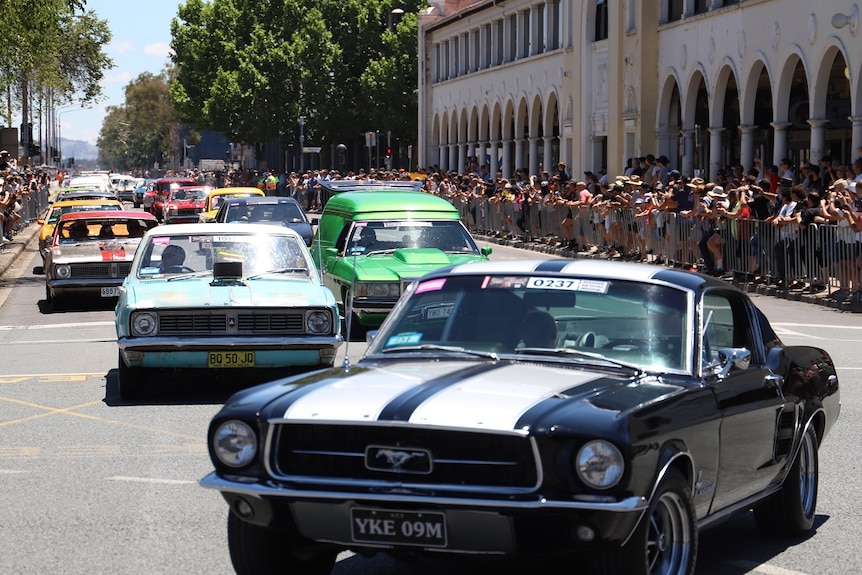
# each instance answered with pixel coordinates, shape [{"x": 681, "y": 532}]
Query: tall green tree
[
  {"x": 252, "y": 68},
  {"x": 145, "y": 129},
  {"x": 52, "y": 46}
]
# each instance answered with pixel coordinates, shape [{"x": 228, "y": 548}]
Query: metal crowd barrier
[{"x": 826, "y": 257}]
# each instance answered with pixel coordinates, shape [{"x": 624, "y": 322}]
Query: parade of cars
[
  {"x": 223, "y": 296},
  {"x": 599, "y": 411}
]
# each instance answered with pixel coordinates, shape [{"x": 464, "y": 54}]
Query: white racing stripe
[
  {"x": 505, "y": 395},
  {"x": 361, "y": 397}
]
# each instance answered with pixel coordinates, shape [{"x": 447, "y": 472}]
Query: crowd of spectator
[
  {"x": 796, "y": 229},
  {"x": 16, "y": 188}
]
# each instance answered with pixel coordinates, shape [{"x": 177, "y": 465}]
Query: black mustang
[{"x": 599, "y": 410}]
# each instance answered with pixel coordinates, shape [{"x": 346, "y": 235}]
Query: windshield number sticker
[
  {"x": 553, "y": 283},
  {"x": 404, "y": 339}
]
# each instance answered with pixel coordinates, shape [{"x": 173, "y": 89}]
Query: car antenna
[{"x": 348, "y": 316}]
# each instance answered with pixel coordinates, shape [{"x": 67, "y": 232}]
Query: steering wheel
[
  {"x": 178, "y": 270},
  {"x": 588, "y": 339}
]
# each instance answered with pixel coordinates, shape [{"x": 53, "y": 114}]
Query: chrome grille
[
  {"x": 460, "y": 460},
  {"x": 245, "y": 322},
  {"x": 100, "y": 270}
]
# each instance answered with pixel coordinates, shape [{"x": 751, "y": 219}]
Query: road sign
[{"x": 311, "y": 149}]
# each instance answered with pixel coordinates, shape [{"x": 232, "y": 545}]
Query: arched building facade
[{"x": 707, "y": 83}]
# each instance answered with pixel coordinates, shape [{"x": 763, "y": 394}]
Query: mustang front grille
[
  {"x": 232, "y": 322},
  {"x": 101, "y": 270},
  {"x": 450, "y": 459}
]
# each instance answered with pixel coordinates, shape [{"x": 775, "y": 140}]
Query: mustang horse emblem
[{"x": 394, "y": 460}]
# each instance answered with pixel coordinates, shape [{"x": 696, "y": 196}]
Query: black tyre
[
  {"x": 665, "y": 541},
  {"x": 256, "y": 550},
  {"x": 791, "y": 510},
  {"x": 130, "y": 380}
]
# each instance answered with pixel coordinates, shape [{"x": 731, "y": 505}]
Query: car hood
[
  {"x": 271, "y": 291},
  {"x": 113, "y": 251},
  {"x": 514, "y": 395},
  {"x": 407, "y": 262}
]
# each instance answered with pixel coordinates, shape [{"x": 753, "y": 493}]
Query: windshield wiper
[
  {"x": 565, "y": 351},
  {"x": 279, "y": 271},
  {"x": 447, "y": 348},
  {"x": 190, "y": 275}
]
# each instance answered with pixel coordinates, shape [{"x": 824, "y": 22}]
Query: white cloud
[
  {"x": 159, "y": 49},
  {"x": 118, "y": 77},
  {"x": 121, "y": 47}
]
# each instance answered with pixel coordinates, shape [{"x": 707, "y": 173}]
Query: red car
[
  {"x": 160, "y": 190},
  {"x": 182, "y": 205}
]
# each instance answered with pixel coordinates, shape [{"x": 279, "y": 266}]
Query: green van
[{"x": 374, "y": 240}]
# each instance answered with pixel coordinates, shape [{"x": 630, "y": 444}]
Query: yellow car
[
  {"x": 216, "y": 197},
  {"x": 65, "y": 206}
]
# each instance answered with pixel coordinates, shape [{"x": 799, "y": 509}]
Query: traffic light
[
  {"x": 33, "y": 150},
  {"x": 388, "y": 153}
]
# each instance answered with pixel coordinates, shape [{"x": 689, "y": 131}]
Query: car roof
[
  {"x": 262, "y": 200},
  {"x": 108, "y": 214},
  {"x": 198, "y": 229},
  {"x": 237, "y": 190},
  {"x": 93, "y": 202},
  {"x": 627, "y": 271},
  {"x": 375, "y": 185},
  {"x": 388, "y": 205}
]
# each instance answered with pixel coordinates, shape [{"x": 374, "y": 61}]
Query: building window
[
  {"x": 601, "y": 20},
  {"x": 701, "y": 6},
  {"x": 674, "y": 10}
]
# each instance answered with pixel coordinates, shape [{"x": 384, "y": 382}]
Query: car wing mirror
[
  {"x": 486, "y": 251},
  {"x": 733, "y": 358}
]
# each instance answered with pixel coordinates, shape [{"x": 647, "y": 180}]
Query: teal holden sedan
[{"x": 234, "y": 299}]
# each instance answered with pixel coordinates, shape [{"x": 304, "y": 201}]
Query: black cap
[{"x": 786, "y": 182}]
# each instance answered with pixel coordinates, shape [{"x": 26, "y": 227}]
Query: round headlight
[
  {"x": 600, "y": 464},
  {"x": 63, "y": 272},
  {"x": 234, "y": 443},
  {"x": 382, "y": 289},
  {"x": 318, "y": 322},
  {"x": 143, "y": 324}
]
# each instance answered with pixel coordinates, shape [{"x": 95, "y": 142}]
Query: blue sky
[{"x": 141, "y": 37}]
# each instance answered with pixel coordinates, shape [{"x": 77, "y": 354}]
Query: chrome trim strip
[
  {"x": 272, "y": 424},
  {"x": 214, "y": 481},
  {"x": 202, "y": 344}
]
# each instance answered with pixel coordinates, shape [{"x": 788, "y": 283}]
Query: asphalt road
[{"x": 98, "y": 485}]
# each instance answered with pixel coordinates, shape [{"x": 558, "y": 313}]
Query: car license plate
[
  {"x": 398, "y": 527},
  {"x": 110, "y": 291},
  {"x": 230, "y": 359}
]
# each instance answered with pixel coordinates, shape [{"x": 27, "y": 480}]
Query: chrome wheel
[{"x": 669, "y": 543}]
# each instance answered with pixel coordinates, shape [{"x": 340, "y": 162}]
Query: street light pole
[
  {"x": 59, "y": 130},
  {"x": 302, "y": 144}
]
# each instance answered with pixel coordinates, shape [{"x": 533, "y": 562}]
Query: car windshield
[
  {"x": 369, "y": 237},
  {"x": 564, "y": 318},
  {"x": 102, "y": 230},
  {"x": 56, "y": 212},
  {"x": 281, "y": 212},
  {"x": 174, "y": 255}
]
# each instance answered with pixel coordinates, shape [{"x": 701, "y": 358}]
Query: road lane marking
[
  {"x": 153, "y": 480},
  {"x": 55, "y": 325},
  {"x": 69, "y": 411},
  {"x": 59, "y": 341}
]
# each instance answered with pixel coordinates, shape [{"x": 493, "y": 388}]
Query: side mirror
[
  {"x": 733, "y": 358},
  {"x": 486, "y": 251}
]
